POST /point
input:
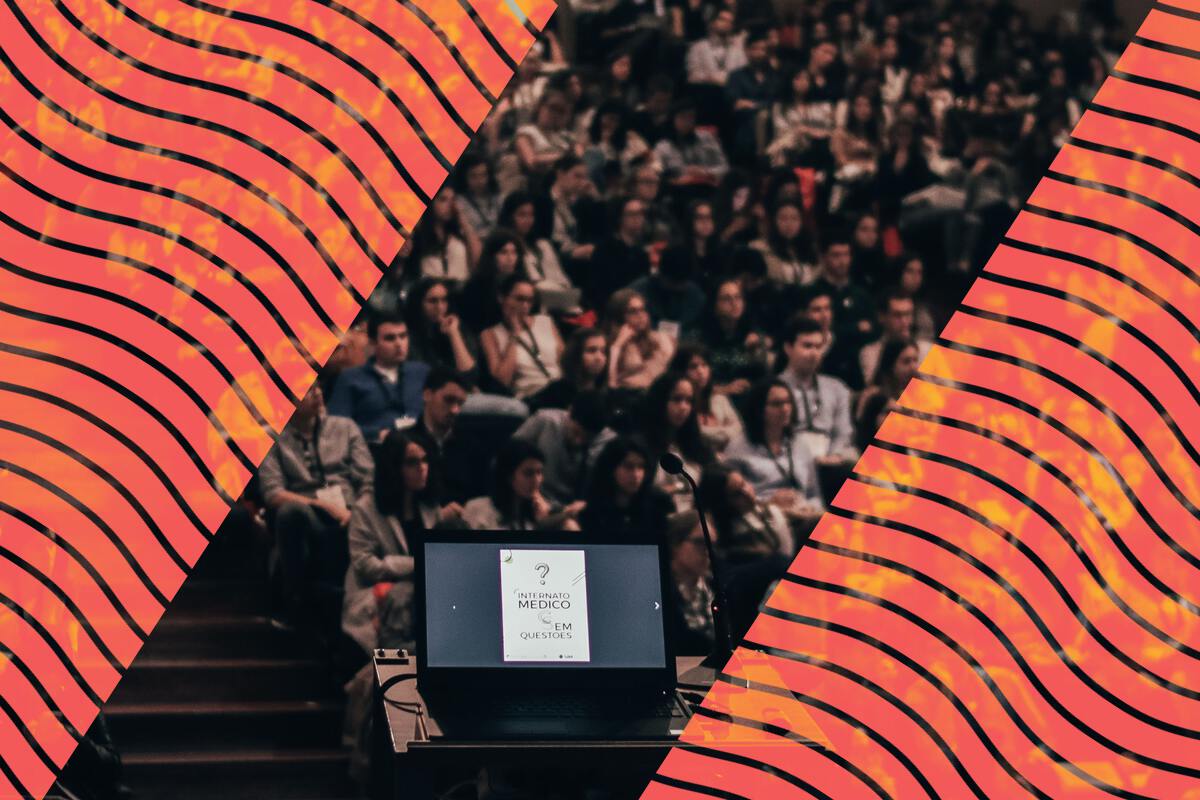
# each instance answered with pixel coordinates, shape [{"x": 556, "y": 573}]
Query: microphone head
[{"x": 671, "y": 464}]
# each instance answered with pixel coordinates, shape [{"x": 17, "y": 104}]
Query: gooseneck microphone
[{"x": 723, "y": 645}]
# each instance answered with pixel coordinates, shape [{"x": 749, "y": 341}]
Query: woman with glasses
[
  {"x": 523, "y": 349},
  {"x": 719, "y": 421},
  {"x": 377, "y": 611},
  {"x": 638, "y": 354},
  {"x": 772, "y": 454}
]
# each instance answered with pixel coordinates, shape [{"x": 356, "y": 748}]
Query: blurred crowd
[{"x": 727, "y": 231}]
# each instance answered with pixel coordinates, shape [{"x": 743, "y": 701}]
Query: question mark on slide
[{"x": 543, "y": 569}]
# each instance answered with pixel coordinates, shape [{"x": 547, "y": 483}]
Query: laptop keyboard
[{"x": 576, "y": 706}]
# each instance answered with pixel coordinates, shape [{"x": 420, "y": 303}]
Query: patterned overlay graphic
[
  {"x": 195, "y": 199},
  {"x": 1004, "y": 601}
]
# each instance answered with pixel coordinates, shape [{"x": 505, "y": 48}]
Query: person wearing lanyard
[
  {"x": 822, "y": 401},
  {"x": 384, "y": 393},
  {"x": 522, "y": 351},
  {"x": 773, "y": 456},
  {"x": 309, "y": 481}
]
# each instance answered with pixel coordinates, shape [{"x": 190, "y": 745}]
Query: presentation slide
[{"x": 544, "y": 605}]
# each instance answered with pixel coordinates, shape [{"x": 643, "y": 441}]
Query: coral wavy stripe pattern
[
  {"x": 196, "y": 197},
  {"x": 1003, "y": 601}
]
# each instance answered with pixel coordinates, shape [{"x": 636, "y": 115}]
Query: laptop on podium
[{"x": 525, "y": 636}]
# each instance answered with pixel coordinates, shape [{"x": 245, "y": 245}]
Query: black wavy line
[
  {"x": 488, "y": 35},
  {"x": 114, "y": 432},
  {"x": 881, "y": 741},
  {"x": 82, "y": 619},
  {"x": 153, "y": 364},
  {"x": 356, "y": 65},
  {"x": 853, "y": 722},
  {"x": 17, "y": 786},
  {"x": 195, "y": 161},
  {"x": 687, "y": 786},
  {"x": 1154, "y": 83},
  {"x": 1130, "y": 155},
  {"x": 177, "y": 283},
  {"x": 42, "y": 692},
  {"x": 178, "y": 196},
  {"x": 452, "y": 48},
  {"x": 936, "y": 683},
  {"x": 240, "y": 136},
  {"x": 1035, "y": 618},
  {"x": 987, "y": 477},
  {"x": 96, "y": 520},
  {"x": 150, "y": 314},
  {"x": 1178, "y": 12},
  {"x": 966, "y": 656},
  {"x": 107, "y": 477},
  {"x": 296, "y": 75},
  {"x": 50, "y": 642},
  {"x": 887, "y": 697},
  {"x": 1154, "y": 347},
  {"x": 207, "y": 166},
  {"x": 137, "y": 400},
  {"x": 73, "y": 553},
  {"x": 753, "y": 763},
  {"x": 26, "y": 734},
  {"x": 1142, "y": 119},
  {"x": 1164, "y": 47},
  {"x": 1039, "y": 329}
]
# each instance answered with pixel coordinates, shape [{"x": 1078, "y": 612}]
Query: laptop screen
[{"x": 504, "y": 605}]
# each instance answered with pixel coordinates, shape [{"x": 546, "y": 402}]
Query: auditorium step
[
  {"x": 292, "y": 774},
  {"x": 201, "y": 727},
  {"x": 227, "y": 635},
  {"x": 211, "y": 680}
]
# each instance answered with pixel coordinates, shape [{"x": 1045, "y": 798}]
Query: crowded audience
[{"x": 729, "y": 232}]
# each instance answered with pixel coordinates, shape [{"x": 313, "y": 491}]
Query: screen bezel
[{"x": 516, "y": 677}]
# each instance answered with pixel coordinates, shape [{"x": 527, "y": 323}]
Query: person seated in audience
[
  {"x": 670, "y": 424},
  {"x": 569, "y": 192},
  {"x": 750, "y": 90},
  {"x": 620, "y": 258},
  {"x": 435, "y": 335},
  {"x": 691, "y": 157},
  {"x": 896, "y": 319},
  {"x": 670, "y": 293},
  {"x": 516, "y": 502},
  {"x": 719, "y": 420},
  {"x": 747, "y": 530},
  {"x": 478, "y": 192},
  {"x": 786, "y": 247},
  {"x": 909, "y": 281},
  {"x": 610, "y": 141},
  {"x": 444, "y": 243},
  {"x": 738, "y": 352},
  {"x": 565, "y": 438},
  {"x": 379, "y": 592},
  {"x": 693, "y": 631},
  {"x": 620, "y": 496},
  {"x": 452, "y": 455},
  {"x": 541, "y": 143},
  {"x": 773, "y": 456},
  {"x": 701, "y": 243},
  {"x": 584, "y": 366},
  {"x": 541, "y": 261},
  {"x": 478, "y": 302},
  {"x": 822, "y": 401},
  {"x": 645, "y": 184},
  {"x": 711, "y": 59},
  {"x": 523, "y": 350},
  {"x": 385, "y": 392},
  {"x": 898, "y": 365},
  {"x": 311, "y": 478},
  {"x": 851, "y": 303},
  {"x": 868, "y": 264},
  {"x": 638, "y": 354}
]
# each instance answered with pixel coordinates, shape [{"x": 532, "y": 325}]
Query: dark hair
[
  {"x": 378, "y": 320},
  {"x": 439, "y": 377},
  {"x": 621, "y": 135},
  {"x": 811, "y": 292},
  {"x": 512, "y": 454},
  {"x": 748, "y": 261},
  {"x": 469, "y": 160},
  {"x": 510, "y": 282},
  {"x": 756, "y": 406},
  {"x": 837, "y": 236},
  {"x": 508, "y": 211},
  {"x": 602, "y": 490},
  {"x": 492, "y": 245},
  {"x": 566, "y": 163},
  {"x": 572, "y": 356},
  {"x": 675, "y": 264},
  {"x": 425, "y": 236},
  {"x": 886, "y": 298},
  {"x": 799, "y": 248},
  {"x": 654, "y": 424},
  {"x": 682, "y": 360},
  {"x": 589, "y": 409},
  {"x": 414, "y": 313},
  {"x": 799, "y": 325},
  {"x": 389, "y": 471},
  {"x": 888, "y": 356},
  {"x": 714, "y": 494}
]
